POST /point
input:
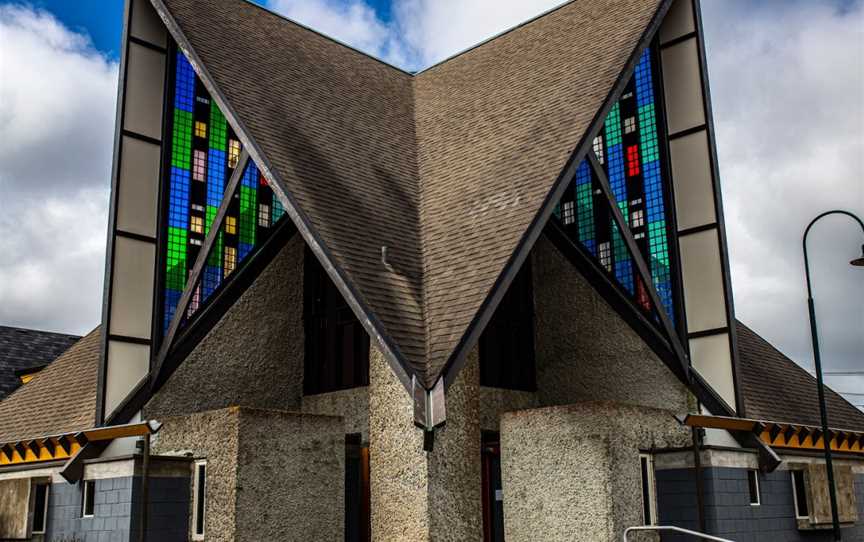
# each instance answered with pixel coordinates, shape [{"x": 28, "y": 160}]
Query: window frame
[
  {"x": 44, "y": 527},
  {"x": 753, "y": 483},
  {"x": 88, "y": 492},
  {"x": 648, "y": 472},
  {"x": 199, "y": 499},
  {"x": 796, "y": 503}
]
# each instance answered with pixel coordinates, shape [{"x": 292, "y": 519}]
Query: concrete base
[
  {"x": 573, "y": 472},
  {"x": 271, "y": 475}
]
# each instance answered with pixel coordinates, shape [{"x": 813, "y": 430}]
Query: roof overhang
[{"x": 785, "y": 436}]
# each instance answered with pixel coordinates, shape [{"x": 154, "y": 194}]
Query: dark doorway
[
  {"x": 358, "y": 512},
  {"x": 493, "y": 496}
]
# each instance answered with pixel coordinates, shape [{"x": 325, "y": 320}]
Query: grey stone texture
[
  {"x": 573, "y": 472},
  {"x": 585, "y": 351},
  {"x": 253, "y": 357},
  {"x": 352, "y": 405},
  {"x": 419, "y": 496},
  {"x": 728, "y": 512},
  {"x": 271, "y": 475},
  {"x": 117, "y": 510}
]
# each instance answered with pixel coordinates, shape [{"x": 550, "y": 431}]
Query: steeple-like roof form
[{"x": 453, "y": 170}]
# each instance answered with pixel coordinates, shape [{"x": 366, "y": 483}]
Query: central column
[{"x": 418, "y": 495}]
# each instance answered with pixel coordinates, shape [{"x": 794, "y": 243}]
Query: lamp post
[{"x": 823, "y": 411}]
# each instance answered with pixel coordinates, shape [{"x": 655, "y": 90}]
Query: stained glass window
[
  {"x": 205, "y": 149},
  {"x": 627, "y": 149}
]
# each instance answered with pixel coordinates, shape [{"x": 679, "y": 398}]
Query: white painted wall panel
[
  {"x": 146, "y": 24},
  {"x": 701, "y": 269},
  {"x": 132, "y": 288},
  {"x": 128, "y": 363},
  {"x": 682, "y": 85},
  {"x": 712, "y": 359},
  {"x": 678, "y": 22},
  {"x": 138, "y": 190},
  {"x": 691, "y": 176},
  {"x": 144, "y": 88}
]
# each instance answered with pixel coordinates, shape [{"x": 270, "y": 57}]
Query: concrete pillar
[
  {"x": 419, "y": 496},
  {"x": 573, "y": 472}
]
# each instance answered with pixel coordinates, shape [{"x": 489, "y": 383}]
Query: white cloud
[
  {"x": 56, "y": 124},
  {"x": 787, "y": 85}
]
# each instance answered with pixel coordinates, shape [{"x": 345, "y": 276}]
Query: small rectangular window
[
  {"x": 88, "y": 498},
  {"x": 230, "y": 260},
  {"x": 569, "y": 214},
  {"x": 231, "y": 224},
  {"x": 799, "y": 492},
  {"x": 199, "y": 165},
  {"x": 40, "y": 510},
  {"x": 753, "y": 484},
  {"x": 233, "y": 153},
  {"x": 196, "y": 224},
  {"x": 649, "y": 510},
  {"x": 606, "y": 256},
  {"x": 199, "y": 495},
  {"x": 629, "y": 125},
  {"x": 637, "y": 218},
  {"x": 200, "y": 129},
  {"x": 264, "y": 215},
  {"x": 598, "y": 148}
]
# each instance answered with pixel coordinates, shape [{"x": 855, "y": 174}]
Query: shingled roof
[
  {"x": 775, "y": 388},
  {"x": 61, "y": 398},
  {"x": 454, "y": 170},
  {"x": 23, "y": 349}
]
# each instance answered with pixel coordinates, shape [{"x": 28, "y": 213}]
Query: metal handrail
[{"x": 703, "y": 536}]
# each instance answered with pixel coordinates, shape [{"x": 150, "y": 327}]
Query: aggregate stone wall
[
  {"x": 573, "y": 472},
  {"x": 290, "y": 477},
  {"x": 253, "y": 357},
  {"x": 585, "y": 351},
  {"x": 271, "y": 475},
  {"x": 352, "y": 405},
  {"x": 728, "y": 512},
  {"x": 418, "y": 496}
]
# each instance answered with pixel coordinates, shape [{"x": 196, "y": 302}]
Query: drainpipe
[
  {"x": 145, "y": 482},
  {"x": 700, "y": 483}
]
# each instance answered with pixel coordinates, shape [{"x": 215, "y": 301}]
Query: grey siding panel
[
  {"x": 727, "y": 506},
  {"x": 116, "y": 511}
]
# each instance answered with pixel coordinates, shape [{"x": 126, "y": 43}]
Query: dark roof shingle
[
  {"x": 447, "y": 169},
  {"x": 61, "y": 398},
  {"x": 22, "y": 349},
  {"x": 775, "y": 388}
]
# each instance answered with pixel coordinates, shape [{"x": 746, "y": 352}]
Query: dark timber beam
[
  {"x": 200, "y": 261},
  {"x": 641, "y": 266}
]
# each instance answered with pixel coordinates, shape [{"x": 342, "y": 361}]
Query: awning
[
  {"x": 60, "y": 447},
  {"x": 784, "y": 435}
]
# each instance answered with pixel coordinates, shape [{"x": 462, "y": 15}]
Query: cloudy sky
[{"x": 788, "y": 95}]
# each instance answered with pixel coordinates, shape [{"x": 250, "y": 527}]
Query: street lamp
[{"x": 823, "y": 411}]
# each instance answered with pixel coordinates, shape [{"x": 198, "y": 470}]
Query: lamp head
[{"x": 859, "y": 262}]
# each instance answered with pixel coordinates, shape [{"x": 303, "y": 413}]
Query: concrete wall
[
  {"x": 352, "y": 405},
  {"x": 573, "y": 472},
  {"x": 728, "y": 511},
  {"x": 585, "y": 351},
  {"x": 271, "y": 475},
  {"x": 253, "y": 357}
]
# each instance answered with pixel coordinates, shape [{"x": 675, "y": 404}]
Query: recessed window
[
  {"x": 753, "y": 485},
  {"x": 199, "y": 495},
  {"x": 40, "y": 509},
  {"x": 605, "y": 255},
  {"x": 799, "y": 492},
  {"x": 196, "y": 224},
  {"x": 199, "y": 165},
  {"x": 230, "y": 260},
  {"x": 649, "y": 508},
  {"x": 88, "y": 488},
  {"x": 598, "y": 148},
  {"x": 231, "y": 224},
  {"x": 233, "y": 153},
  {"x": 337, "y": 346},
  {"x": 507, "y": 343},
  {"x": 568, "y": 212},
  {"x": 200, "y": 129},
  {"x": 629, "y": 125}
]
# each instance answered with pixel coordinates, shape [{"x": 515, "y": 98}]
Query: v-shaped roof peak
[{"x": 453, "y": 170}]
